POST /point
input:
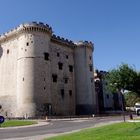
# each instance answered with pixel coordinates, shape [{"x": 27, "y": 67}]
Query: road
[{"x": 55, "y": 127}]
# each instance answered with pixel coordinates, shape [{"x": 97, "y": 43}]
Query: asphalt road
[{"x": 55, "y": 127}]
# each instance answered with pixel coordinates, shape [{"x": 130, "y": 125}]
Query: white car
[{"x": 137, "y": 108}]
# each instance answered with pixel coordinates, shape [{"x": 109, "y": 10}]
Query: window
[
  {"x": 66, "y": 80},
  {"x": 70, "y": 92},
  {"x": 58, "y": 54},
  {"x": 44, "y": 88},
  {"x": 107, "y": 96},
  {"x": 23, "y": 79},
  {"x": 7, "y": 51},
  {"x": 91, "y": 80},
  {"x": 54, "y": 78},
  {"x": 46, "y": 56},
  {"x": 70, "y": 68},
  {"x": 27, "y": 44},
  {"x": 62, "y": 93},
  {"x": 60, "y": 65},
  {"x": 90, "y": 67},
  {"x": 90, "y": 57},
  {"x": 67, "y": 56}
]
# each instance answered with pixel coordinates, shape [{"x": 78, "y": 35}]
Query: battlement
[
  {"x": 26, "y": 27},
  {"x": 41, "y": 27},
  {"x": 62, "y": 40},
  {"x": 34, "y": 26},
  {"x": 85, "y": 43}
]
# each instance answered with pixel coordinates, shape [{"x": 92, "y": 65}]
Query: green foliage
[
  {"x": 12, "y": 123},
  {"x": 123, "y": 78},
  {"x": 136, "y": 86},
  {"x": 131, "y": 98},
  {"x": 120, "y": 131}
]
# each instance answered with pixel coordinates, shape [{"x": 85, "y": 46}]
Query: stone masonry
[{"x": 44, "y": 74}]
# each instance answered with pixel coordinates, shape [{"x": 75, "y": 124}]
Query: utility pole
[{"x": 122, "y": 105}]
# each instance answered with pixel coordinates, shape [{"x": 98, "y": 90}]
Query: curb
[{"x": 39, "y": 123}]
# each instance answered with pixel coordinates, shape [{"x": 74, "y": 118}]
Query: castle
[{"x": 41, "y": 73}]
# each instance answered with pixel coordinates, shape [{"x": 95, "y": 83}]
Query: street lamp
[{"x": 122, "y": 105}]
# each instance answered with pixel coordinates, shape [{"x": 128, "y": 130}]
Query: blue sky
[{"x": 112, "y": 25}]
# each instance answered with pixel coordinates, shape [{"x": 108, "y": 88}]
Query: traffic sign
[{"x": 2, "y": 119}]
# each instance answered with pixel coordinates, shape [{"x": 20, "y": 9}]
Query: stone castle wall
[
  {"x": 42, "y": 74},
  {"x": 85, "y": 100},
  {"x": 8, "y": 71}
]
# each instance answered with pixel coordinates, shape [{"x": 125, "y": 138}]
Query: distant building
[
  {"x": 41, "y": 73},
  {"x": 106, "y": 101}
]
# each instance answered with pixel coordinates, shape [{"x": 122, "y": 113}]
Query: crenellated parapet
[
  {"x": 88, "y": 44},
  {"x": 62, "y": 41},
  {"x": 44, "y": 28},
  {"x": 34, "y": 26},
  {"x": 26, "y": 27}
]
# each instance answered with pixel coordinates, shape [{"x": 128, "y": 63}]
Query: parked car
[{"x": 137, "y": 108}]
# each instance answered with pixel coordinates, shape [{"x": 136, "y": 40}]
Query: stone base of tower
[
  {"x": 8, "y": 106},
  {"x": 26, "y": 111},
  {"x": 85, "y": 109}
]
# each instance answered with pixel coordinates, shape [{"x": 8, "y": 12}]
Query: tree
[
  {"x": 131, "y": 98},
  {"x": 136, "y": 85},
  {"x": 123, "y": 78}
]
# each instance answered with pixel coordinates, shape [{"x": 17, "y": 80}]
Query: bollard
[
  {"x": 131, "y": 117},
  {"x": 46, "y": 118}
]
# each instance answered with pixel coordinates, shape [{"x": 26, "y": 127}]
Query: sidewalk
[{"x": 39, "y": 123}]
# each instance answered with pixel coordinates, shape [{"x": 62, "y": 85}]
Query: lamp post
[{"x": 122, "y": 105}]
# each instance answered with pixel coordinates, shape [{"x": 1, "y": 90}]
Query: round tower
[
  {"x": 84, "y": 80},
  {"x": 33, "y": 87}
]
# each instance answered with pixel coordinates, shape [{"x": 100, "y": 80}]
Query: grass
[
  {"x": 120, "y": 131},
  {"x": 12, "y": 123}
]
